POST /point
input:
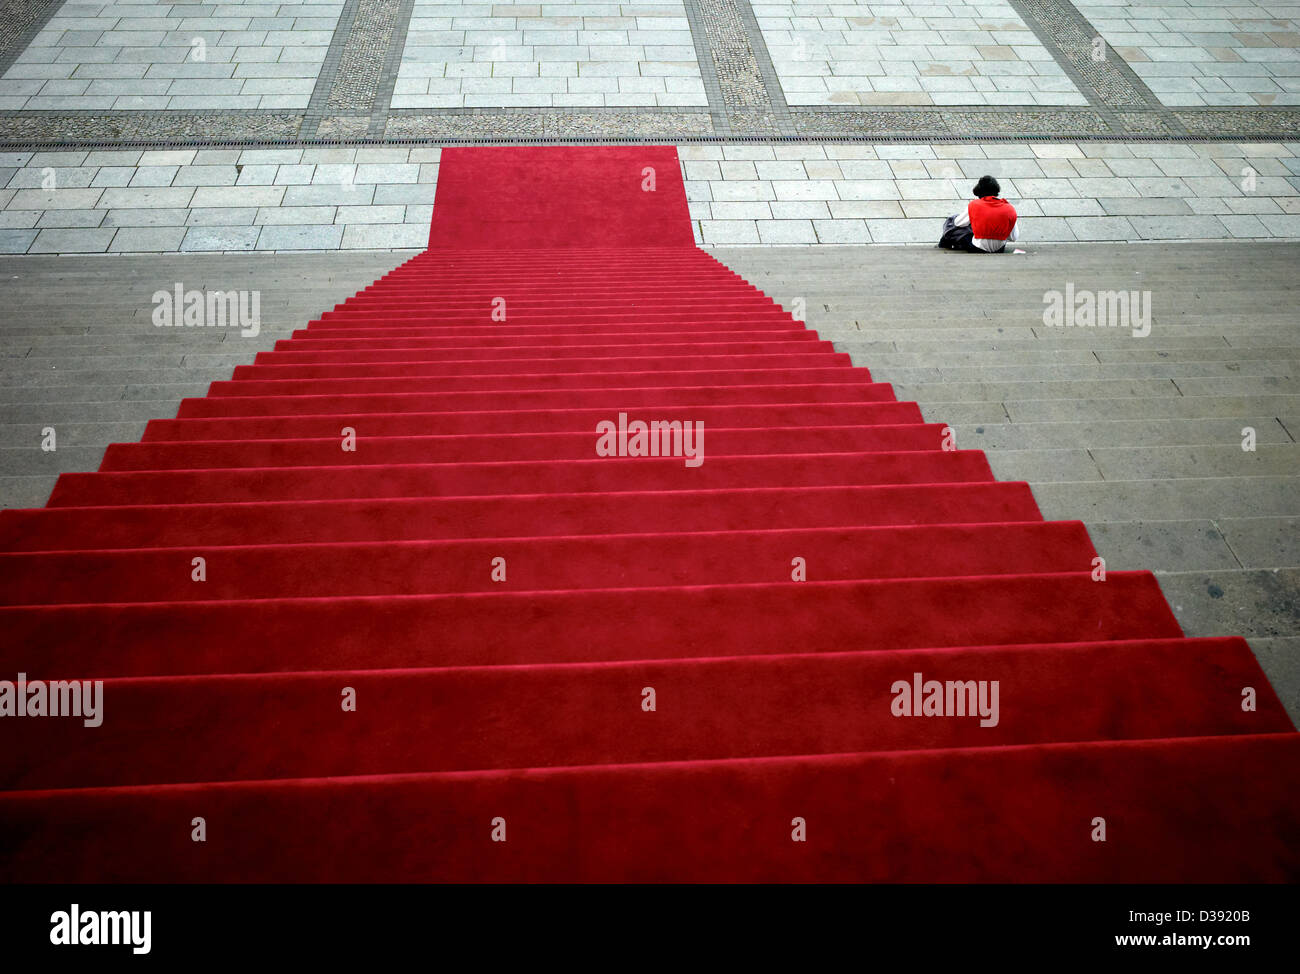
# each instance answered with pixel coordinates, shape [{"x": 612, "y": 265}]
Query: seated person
[{"x": 986, "y": 225}]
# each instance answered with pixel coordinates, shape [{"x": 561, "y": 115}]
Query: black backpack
[{"x": 955, "y": 237}]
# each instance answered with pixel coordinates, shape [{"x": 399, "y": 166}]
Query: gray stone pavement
[
  {"x": 235, "y": 54},
  {"x": 1140, "y": 437},
  {"x": 305, "y": 69},
  {"x": 1103, "y": 191},
  {"x": 381, "y": 197},
  {"x": 575, "y": 54},
  {"x": 1205, "y": 54},
  {"x": 910, "y": 53},
  {"x": 182, "y": 200}
]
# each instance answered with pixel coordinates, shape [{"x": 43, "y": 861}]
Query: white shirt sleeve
[
  {"x": 962, "y": 219},
  {"x": 1015, "y": 231}
]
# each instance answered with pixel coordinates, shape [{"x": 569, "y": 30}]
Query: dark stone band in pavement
[
  {"x": 355, "y": 85},
  {"x": 974, "y": 123},
  {"x": 20, "y": 21},
  {"x": 1074, "y": 43}
]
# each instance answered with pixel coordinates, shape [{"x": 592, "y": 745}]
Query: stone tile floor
[
  {"x": 183, "y": 200},
  {"x": 235, "y": 54},
  {"x": 557, "y": 54},
  {"x": 244, "y": 70},
  {"x": 910, "y": 53},
  {"x": 1062, "y": 191},
  {"x": 381, "y": 197},
  {"x": 1189, "y": 53}
]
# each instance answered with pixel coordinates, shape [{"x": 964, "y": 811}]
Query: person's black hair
[{"x": 987, "y": 186}]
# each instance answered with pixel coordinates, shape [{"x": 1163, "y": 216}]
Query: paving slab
[{"x": 1162, "y": 546}]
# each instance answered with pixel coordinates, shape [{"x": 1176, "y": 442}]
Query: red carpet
[{"x": 486, "y": 702}]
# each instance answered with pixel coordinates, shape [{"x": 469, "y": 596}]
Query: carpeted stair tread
[
  {"x": 538, "y": 476},
  {"x": 537, "y": 564},
  {"x": 348, "y": 632},
  {"x": 613, "y": 400},
  {"x": 484, "y": 717},
  {"x": 523, "y": 422},
  {"x": 1205, "y": 810},
  {"x": 497, "y": 516},
  {"x": 372, "y": 449}
]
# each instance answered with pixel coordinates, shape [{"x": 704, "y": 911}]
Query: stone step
[
  {"x": 35, "y": 462},
  {"x": 113, "y": 331},
  {"x": 1028, "y": 326},
  {"x": 76, "y": 364},
  {"x": 1164, "y": 546},
  {"x": 125, "y": 344},
  {"x": 168, "y": 393},
  {"x": 11, "y": 379},
  {"x": 1263, "y": 542},
  {"x": 944, "y": 356},
  {"x": 1155, "y": 407},
  {"x": 1181, "y": 499},
  {"x": 1249, "y": 603},
  {"x": 57, "y": 413},
  {"x": 1144, "y": 433},
  {"x": 1105, "y": 389},
  {"x": 113, "y": 356},
  {"x": 1082, "y": 371},
  {"x": 1137, "y": 463},
  {"x": 1099, "y": 389},
  {"x": 25, "y": 491},
  {"x": 110, "y": 326},
  {"x": 1014, "y": 276},
  {"x": 1143, "y": 463},
  {"x": 1044, "y": 466},
  {"x": 1029, "y": 309},
  {"x": 941, "y": 330},
  {"x": 72, "y": 434},
  {"x": 1190, "y": 348},
  {"x": 1279, "y": 656}
]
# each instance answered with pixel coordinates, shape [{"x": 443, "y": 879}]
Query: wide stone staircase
[{"x": 1141, "y": 438}]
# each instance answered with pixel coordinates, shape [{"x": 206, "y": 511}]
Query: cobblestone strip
[
  {"x": 884, "y": 123},
  {"x": 967, "y": 122},
  {"x": 775, "y": 93},
  {"x": 1262, "y": 123},
  {"x": 355, "y": 86},
  {"x": 329, "y": 70},
  {"x": 24, "y": 128},
  {"x": 398, "y": 16},
  {"x": 365, "y": 56},
  {"x": 1096, "y": 70},
  {"x": 488, "y": 125},
  {"x": 738, "y": 74},
  {"x": 708, "y": 68},
  {"x": 20, "y": 22}
]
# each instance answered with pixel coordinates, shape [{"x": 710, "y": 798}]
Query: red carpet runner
[{"x": 569, "y": 666}]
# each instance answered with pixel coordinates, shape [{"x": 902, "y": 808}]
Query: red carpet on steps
[{"x": 516, "y": 707}]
